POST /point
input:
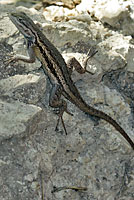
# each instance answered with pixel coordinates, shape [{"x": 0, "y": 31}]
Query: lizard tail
[{"x": 110, "y": 120}]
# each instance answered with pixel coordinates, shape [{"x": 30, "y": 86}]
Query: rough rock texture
[
  {"x": 18, "y": 119},
  {"x": 35, "y": 161},
  {"x": 65, "y": 3},
  {"x": 27, "y": 88}
]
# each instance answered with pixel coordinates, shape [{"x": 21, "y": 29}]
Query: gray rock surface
[
  {"x": 34, "y": 158},
  {"x": 27, "y": 88},
  {"x": 18, "y": 119}
]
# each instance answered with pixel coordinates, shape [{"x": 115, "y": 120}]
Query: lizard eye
[{"x": 20, "y": 19}]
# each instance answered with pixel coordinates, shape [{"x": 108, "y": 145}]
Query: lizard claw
[
  {"x": 92, "y": 51},
  {"x": 63, "y": 124},
  {"x": 64, "y": 109},
  {"x": 10, "y": 59}
]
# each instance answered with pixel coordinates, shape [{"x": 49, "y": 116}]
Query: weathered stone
[
  {"x": 25, "y": 88},
  {"x": 65, "y": 3},
  {"x": 93, "y": 154},
  {"x": 18, "y": 119}
]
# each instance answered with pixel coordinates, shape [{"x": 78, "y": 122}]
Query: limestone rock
[
  {"x": 18, "y": 119},
  {"x": 25, "y": 88}
]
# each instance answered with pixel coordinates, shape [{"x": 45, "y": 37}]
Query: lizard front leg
[
  {"x": 73, "y": 63},
  {"x": 55, "y": 101},
  {"x": 31, "y": 53}
]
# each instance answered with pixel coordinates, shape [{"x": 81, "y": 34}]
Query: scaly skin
[{"x": 57, "y": 71}]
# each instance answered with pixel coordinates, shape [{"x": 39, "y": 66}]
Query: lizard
[{"x": 58, "y": 71}]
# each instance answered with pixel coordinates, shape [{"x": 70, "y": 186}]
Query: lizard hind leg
[
  {"x": 55, "y": 101},
  {"x": 62, "y": 109},
  {"x": 63, "y": 124}
]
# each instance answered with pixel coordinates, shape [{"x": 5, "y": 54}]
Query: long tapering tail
[
  {"x": 117, "y": 127},
  {"x": 92, "y": 111}
]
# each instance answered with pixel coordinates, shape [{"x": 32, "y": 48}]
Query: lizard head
[{"x": 24, "y": 24}]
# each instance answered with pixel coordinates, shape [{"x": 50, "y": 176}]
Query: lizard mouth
[{"x": 22, "y": 22}]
